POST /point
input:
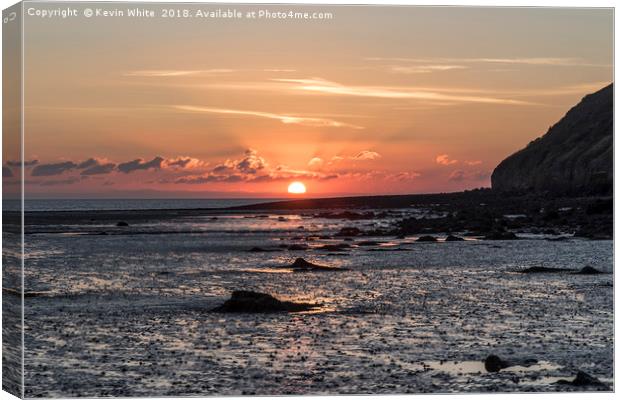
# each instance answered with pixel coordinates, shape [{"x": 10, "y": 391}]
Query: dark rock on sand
[
  {"x": 452, "y": 238},
  {"x": 427, "y": 238},
  {"x": 369, "y": 243},
  {"x": 334, "y": 247},
  {"x": 501, "y": 235},
  {"x": 494, "y": 364},
  {"x": 575, "y": 156},
  {"x": 349, "y": 231},
  {"x": 243, "y": 301},
  {"x": 390, "y": 249},
  {"x": 539, "y": 270},
  {"x": 122, "y": 223},
  {"x": 583, "y": 380},
  {"x": 261, "y": 250},
  {"x": 558, "y": 239},
  {"x": 298, "y": 247},
  {"x": 302, "y": 265},
  {"x": 349, "y": 215},
  {"x": 588, "y": 270}
]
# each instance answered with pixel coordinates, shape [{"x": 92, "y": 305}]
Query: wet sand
[{"x": 128, "y": 313}]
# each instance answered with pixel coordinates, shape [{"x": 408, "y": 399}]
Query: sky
[{"x": 375, "y": 100}]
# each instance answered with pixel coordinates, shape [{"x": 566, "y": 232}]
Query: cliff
[{"x": 574, "y": 157}]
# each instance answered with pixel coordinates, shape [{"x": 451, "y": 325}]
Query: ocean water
[
  {"x": 128, "y": 312},
  {"x": 127, "y": 204}
]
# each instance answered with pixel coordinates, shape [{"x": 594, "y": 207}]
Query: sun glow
[{"x": 297, "y": 188}]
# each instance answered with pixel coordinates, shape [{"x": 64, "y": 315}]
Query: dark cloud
[
  {"x": 6, "y": 172},
  {"x": 139, "y": 164},
  {"x": 91, "y": 162},
  {"x": 53, "y": 169},
  {"x": 19, "y": 164},
  {"x": 179, "y": 162},
  {"x": 99, "y": 169},
  {"x": 221, "y": 169},
  {"x": 251, "y": 163},
  {"x": 196, "y": 180}
]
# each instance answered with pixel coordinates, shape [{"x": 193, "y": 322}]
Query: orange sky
[{"x": 375, "y": 100}]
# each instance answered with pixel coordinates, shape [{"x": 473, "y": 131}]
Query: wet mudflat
[{"x": 130, "y": 314}]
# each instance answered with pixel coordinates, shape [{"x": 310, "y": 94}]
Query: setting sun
[{"x": 297, "y": 188}]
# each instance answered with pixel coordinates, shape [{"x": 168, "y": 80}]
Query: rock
[
  {"x": 588, "y": 270},
  {"x": 558, "y": 239},
  {"x": 538, "y": 270},
  {"x": 582, "y": 379},
  {"x": 348, "y": 215},
  {"x": 452, "y": 238},
  {"x": 122, "y": 223},
  {"x": 302, "y": 265},
  {"x": 242, "y": 301},
  {"x": 427, "y": 238},
  {"x": 494, "y": 364},
  {"x": 501, "y": 235},
  {"x": 334, "y": 247},
  {"x": 390, "y": 249},
  {"x": 261, "y": 250},
  {"x": 349, "y": 231},
  {"x": 369, "y": 243},
  {"x": 575, "y": 156}
]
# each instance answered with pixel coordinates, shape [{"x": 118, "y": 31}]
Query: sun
[{"x": 296, "y": 188}]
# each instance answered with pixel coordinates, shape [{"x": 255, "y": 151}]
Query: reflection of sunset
[{"x": 374, "y": 112}]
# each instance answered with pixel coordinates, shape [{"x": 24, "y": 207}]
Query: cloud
[
  {"x": 68, "y": 181},
  {"x": 139, "y": 164},
  {"x": 422, "y": 69},
  {"x": 284, "y": 118},
  {"x": 91, "y": 162},
  {"x": 335, "y": 160},
  {"x": 6, "y": 172},
  {"x": 176, "y": 72},
  {"x": 196, "y": 180},
  {"x": 404, "y": 176},
  {"x": 321, "y": 86},
  {"x": 184, "y": 163},
  {"x": 53, "y": 169},
  {"x": 222, "y": 168},
  {"x": 457, "y": 176},
  {"x": 473, "y": 162},
  {"x": 316, "y": 163},
  {"x": 443, "y": 159},
  {"x": 99, "y": 169},
  {"x": 18, "y": 164},
  {"x": 549, "y": 61},
  {"x": 251, "y": 163},
  {"x": 366, "y": 155},
  {"x": 252, "y": 168},
  {"x": 460, "y": 175}
]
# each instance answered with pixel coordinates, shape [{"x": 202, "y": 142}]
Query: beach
[{"x": 127, "y": 310}]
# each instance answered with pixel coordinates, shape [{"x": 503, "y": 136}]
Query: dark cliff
[{"x": 575, "y": 157}]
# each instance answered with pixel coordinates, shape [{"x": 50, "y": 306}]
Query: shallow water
[{"x": 127, "y": 313}]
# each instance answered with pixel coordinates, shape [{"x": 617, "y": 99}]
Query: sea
[{"x": 128, "y": 204}]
